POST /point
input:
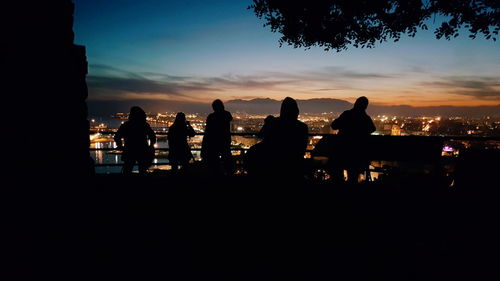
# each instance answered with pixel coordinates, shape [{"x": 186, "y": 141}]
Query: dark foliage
[{"x": 337, "y": 24}]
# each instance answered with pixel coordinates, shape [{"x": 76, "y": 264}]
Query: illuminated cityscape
[
  {"x": 320, "y": 124},
  {"x": 459, "y": 131}
]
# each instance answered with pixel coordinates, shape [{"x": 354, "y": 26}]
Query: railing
[
  {"x": 253, "y": 135},
  {"x": 444, "y": 139}
]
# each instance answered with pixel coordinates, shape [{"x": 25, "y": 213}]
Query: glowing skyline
[{"x": 202, "y": 50}]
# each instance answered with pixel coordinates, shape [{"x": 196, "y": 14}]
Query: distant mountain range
[{"x": 271, "y": 106}]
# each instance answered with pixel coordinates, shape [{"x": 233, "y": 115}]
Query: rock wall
[{"x": 46, "y": 89}]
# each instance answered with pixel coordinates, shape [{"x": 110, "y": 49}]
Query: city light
[
  {"x": 447, "y": 148},
  {"x": 102, "y": 133}
]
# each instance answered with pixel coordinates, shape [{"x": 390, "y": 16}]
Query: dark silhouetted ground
[
  {"x": 185, "y": 228},
  {"x": 198, "y": 227}
]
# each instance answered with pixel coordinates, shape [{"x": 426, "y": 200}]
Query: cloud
[
  {"x": 340, "y": 76},
  {"x": 143, "y": 85},
  {"x": 485, "y": 87},
  {"x": 110, "y": 71},
  {"x": 106, "y": 70},
  {"x": 114, "y": 83},
  {"x": 248, "y": 81},
  {"x": 326, "y": 90},
  {"x": 346, "y": 73},
  {"x": 108, "y": 82},
  {"x": 162, "y": 76}
]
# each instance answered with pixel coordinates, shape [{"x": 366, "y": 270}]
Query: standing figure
[
  {"x": 139, "y": 141},
  {"x": 216, "y": 145},
  {"x": 350, "y": 153},
  {"x": 286, "y": 141},
  {"x": 263, "y": 133},
  {"x": 179, "y": 150},
  {"x": 256, "y": 158}
]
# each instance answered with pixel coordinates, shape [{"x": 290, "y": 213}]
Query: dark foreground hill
[{"x": 233, "y": 228}]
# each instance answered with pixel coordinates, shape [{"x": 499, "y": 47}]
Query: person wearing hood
[
  {"x": 286, "y": 138},
  {"x": 139, "y": 141},
  {"x": 178, "y": 134}
]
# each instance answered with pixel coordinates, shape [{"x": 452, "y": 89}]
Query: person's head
[
  {"x": 137, "y": 114},
  {"x": 361, "y": 103},
  {"x": 217, "y": 105},
  {"x": 180, "y": 118},
  {"x": 289, "y": 109},
  {"x": 269, "y": 119}
]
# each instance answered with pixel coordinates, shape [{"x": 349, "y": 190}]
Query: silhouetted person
[
  {"x": 136, "y": 132},
  {"x": 216, "y": 145},
  {"x": 255, "y": 157},
  {"x": 285, "y": 141},
  {"x": 264, "y": 131},
  {"x": 354, "y": 127},
  {"x": 179, "y": 150}
]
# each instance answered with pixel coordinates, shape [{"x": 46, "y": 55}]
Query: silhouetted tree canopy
[{"x": 337, "y": 24}]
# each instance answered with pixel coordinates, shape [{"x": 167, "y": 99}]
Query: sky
[{"x": 197, "y": 51}]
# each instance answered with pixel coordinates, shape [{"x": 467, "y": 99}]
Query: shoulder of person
[
  {"x": 302, "y": 124},
  {"x": 343, "y": 114},
  {"x": 124, "y": 125}
]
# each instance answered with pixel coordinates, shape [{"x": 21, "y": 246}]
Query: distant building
[
  {"x": 244, "y": 141},
  {"x": 395, "y": 130},
  {"x": 327, "y": 130}
]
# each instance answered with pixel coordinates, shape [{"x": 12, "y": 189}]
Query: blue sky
[{"x": 202, "y": 50}]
